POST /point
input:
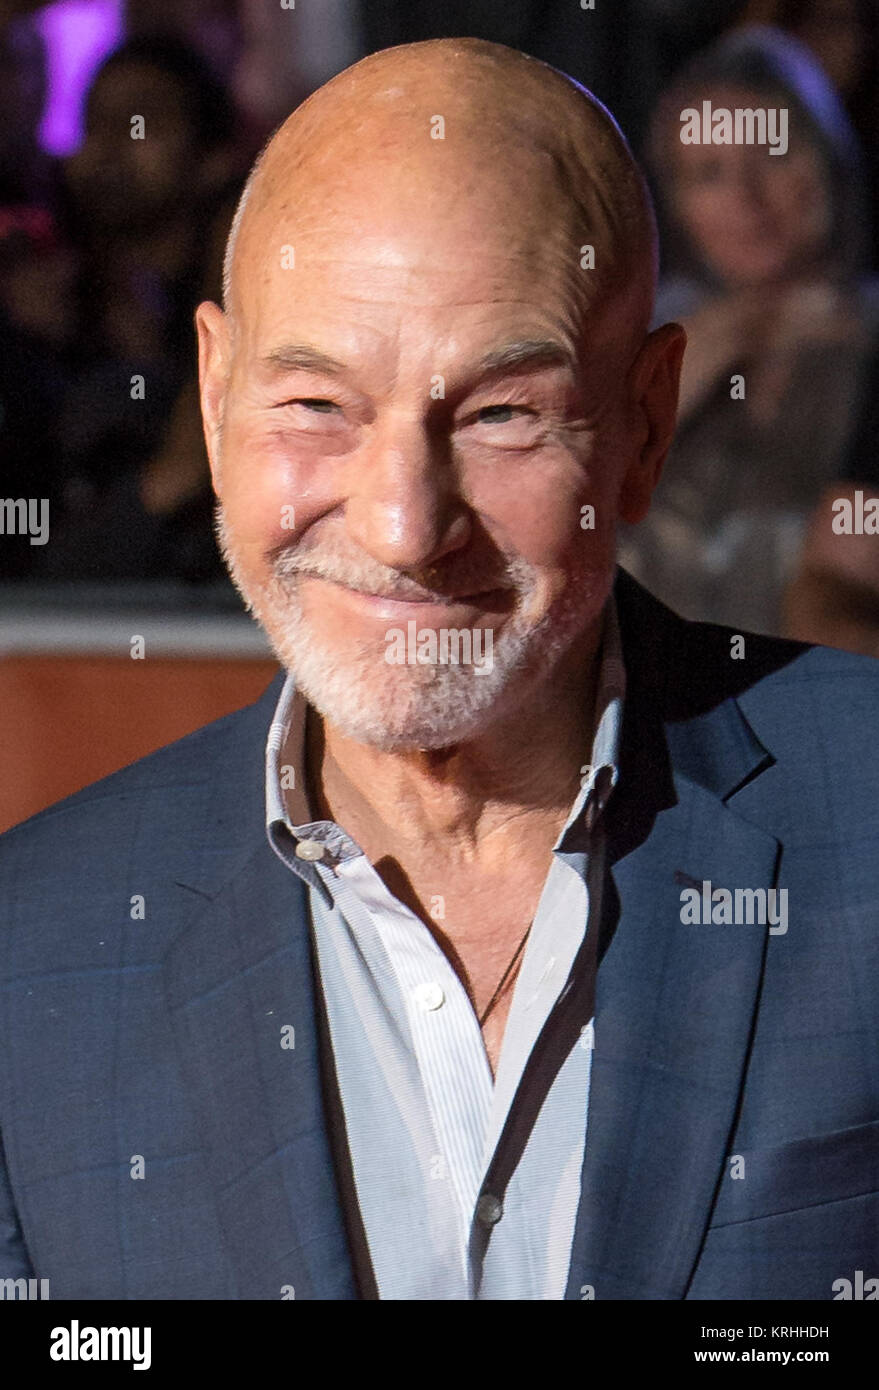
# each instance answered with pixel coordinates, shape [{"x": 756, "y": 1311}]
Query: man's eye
[
  {"x": 315, "y": 403},
  {"x": 500, "y": 414}
]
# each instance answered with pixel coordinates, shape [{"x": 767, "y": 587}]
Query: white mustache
[{"x": 390, "y": 583}]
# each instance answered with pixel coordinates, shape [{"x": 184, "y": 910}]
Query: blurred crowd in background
[{"x": 107, "y": 243}]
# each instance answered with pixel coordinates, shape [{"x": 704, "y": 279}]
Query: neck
[{"x": 474, "y": 796}]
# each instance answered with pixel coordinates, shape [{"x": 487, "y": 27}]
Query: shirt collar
[{"x": 286, "y": 796}]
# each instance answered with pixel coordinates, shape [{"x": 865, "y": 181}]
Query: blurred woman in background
[
  {"x": 844, "y": 36},
  {"x": 764, "y": 264}
]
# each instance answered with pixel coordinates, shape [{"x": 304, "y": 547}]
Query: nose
[{"x": 404, "y": 508}]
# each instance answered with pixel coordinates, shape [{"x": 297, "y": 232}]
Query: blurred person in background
[
  {"x": 765, "y": 257},
  {"x": 154, "y": 521},
  {"x": 142, "y": 214},
  {"x": 844, "y": 37}
]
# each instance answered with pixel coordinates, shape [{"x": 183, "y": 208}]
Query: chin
[
  {"x": 400, "y": 707},
  {"x": 418, "y": 708},
  {"x": 395, "y": 707}
]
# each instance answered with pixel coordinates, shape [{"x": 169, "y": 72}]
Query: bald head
[{"x": 461, "y": 134}]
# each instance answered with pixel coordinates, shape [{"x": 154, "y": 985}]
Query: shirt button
[
  {"x": 429, "y": 996},
  {"x": 309, "y": 849},
  {"x": 489, "y": 1209}
]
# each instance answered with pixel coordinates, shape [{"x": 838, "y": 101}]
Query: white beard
[{"x": 394, "y": 707}]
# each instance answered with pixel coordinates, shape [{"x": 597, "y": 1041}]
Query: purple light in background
[{"x": 78, "y": 34}]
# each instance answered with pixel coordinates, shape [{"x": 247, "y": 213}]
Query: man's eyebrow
[
  {"x": 298, "y": 356},
  {"x": 529, "y": 352},
  {"x": 516, "y": 356}
]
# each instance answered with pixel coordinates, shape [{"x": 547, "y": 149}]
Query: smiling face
[{"x": 416, "y": 398}]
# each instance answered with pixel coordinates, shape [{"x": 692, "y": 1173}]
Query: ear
[
  {"x": 653, "y": 383},
  {"x": 214, "y": 366}
]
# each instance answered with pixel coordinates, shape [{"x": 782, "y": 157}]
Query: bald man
[{"x": 517, "y": 944}]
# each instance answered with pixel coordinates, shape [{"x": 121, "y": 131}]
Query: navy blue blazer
[{"x": 733, "y": 1132}]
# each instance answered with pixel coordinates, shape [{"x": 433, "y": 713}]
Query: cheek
[
  {"x": 800, "y": 198},
  {"x": 270, "y": 495},
  {"x": 706, "y": 215},
  {"x": 534, "y": 509}
]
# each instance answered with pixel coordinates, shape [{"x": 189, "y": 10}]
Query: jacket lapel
[
  {"x": 674, "y": 1003},
  {"x": 239, "y": 974}
]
